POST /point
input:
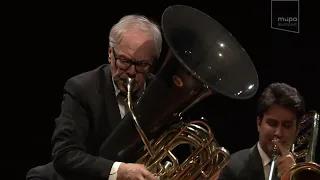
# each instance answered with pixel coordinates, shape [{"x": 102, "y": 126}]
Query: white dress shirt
[
  {"x": 123, "y": 110},
  {"x": 265, "y": 161}
]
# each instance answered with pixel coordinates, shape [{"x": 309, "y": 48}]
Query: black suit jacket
[
  {"x": 244, "y": 165},
  {"x": 43, "y": 172},
  {"x": 89, "y": 113}
]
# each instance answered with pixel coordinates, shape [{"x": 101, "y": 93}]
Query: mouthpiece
[
  {"x": 275, "y": 149},
  {"x": 130, "y": 83},
  {"x": 274, "y": 157}
]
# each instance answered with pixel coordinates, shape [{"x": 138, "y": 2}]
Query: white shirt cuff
[{"x": 114, "y": 171}]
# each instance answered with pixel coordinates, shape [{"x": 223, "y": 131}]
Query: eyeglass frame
[{"x": 130, "y": 62}]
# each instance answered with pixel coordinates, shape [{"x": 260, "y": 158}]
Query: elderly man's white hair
[{"x": 133, "y": 21}]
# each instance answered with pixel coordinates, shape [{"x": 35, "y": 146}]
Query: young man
[
  {"x": 94, "y": 105},
  {"x": 279, "y": 111}
]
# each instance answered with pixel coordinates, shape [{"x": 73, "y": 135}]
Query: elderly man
[{"x": 93, "y": 105}]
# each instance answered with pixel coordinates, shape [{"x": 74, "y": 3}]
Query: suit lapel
[
  {"x": 254, "y": 168},
  {"x": 111, "y": 102}
]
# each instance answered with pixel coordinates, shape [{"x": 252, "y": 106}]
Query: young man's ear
[{"x": 258, "y": 123}]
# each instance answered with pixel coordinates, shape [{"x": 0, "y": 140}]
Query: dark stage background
[{"x": 58, "y": 41}]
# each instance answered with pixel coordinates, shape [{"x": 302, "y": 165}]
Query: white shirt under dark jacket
[
  {"x": 123, "y": 111},
  {"x": 265, "y": 161}
]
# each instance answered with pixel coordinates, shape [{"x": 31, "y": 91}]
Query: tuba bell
[
  {"x": 203, "y": 58},
  {"x": 304, "y": 150}
]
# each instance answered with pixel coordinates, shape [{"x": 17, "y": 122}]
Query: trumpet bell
[
  {"x": 305, "y": 149},
  {"x": 303, "y": 171}
]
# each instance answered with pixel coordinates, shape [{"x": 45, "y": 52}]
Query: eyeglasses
[{"x": 124, "y": 63}]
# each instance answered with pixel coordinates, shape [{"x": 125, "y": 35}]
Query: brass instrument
[
  {"x": 304, "y": 150},
  {"x": 273, "y": 161},
  {"x": 203, "y": 58},
  {"x": 201, "y": 164}
]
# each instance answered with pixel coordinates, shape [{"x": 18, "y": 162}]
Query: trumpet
[
  {"x": 273, "y": 160},
  {"x": 303, "y": 151}
]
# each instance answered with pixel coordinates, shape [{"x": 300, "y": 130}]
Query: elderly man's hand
[{"x": 128, "y": 171}]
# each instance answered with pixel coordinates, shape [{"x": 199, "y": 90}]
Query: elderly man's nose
[{"x": 131, "y": 71}]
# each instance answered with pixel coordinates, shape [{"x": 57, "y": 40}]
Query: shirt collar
[
  {"x": 116, "y": 89},
  {"x": 265, "y": 158}
]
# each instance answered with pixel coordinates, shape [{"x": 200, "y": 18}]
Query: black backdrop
[{"x": 57, "y": 41}]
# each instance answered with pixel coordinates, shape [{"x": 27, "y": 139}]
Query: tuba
[
  {"x": 203, "y": 58},
  {"x": 304, "y": 150}
]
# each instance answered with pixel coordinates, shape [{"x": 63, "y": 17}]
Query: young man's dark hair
[{"x": 284, "y": 95}]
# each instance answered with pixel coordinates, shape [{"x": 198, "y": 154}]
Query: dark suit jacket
[
  {"x": 244, "y": 165},
  {"x": 43, "y": 172},
  {"x": 89, "y": 113}
]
